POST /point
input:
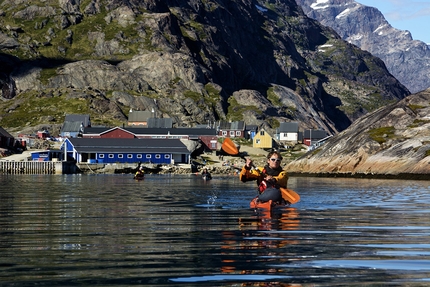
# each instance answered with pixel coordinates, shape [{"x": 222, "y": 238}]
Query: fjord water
[{"x": 68, "y": 230}]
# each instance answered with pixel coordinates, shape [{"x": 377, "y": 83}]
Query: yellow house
[{"x": 262, "y": 139}]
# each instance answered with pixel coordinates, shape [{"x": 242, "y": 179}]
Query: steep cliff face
[
  {"x": 407, "y": 59},
  {"x": 194, "y": 61},
  {"x": 389, "y": 141}
]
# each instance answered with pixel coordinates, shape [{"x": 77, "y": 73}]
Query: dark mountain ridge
[{"x": 194, "y": 61}]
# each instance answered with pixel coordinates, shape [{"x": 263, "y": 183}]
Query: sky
[{"x": 411, "y": 15}]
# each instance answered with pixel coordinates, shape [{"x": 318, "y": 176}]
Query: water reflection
[{"x": 113, "y": 230}]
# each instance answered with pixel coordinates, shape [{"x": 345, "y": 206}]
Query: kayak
[
  {"x": 289, "y": 196},
  {"x": 268, "y": 205}
]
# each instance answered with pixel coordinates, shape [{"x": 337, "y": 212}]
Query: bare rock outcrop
[{"x": 394, "y": 140}]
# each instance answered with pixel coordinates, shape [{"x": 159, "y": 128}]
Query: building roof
[
  {"x": 69, "y": 126},
  {"x": 172, "y": 131},
  {"x": 84, "y": 119},
  {"x": 93, "y": 145},
  {"x": 155, "y": 131},
  {"x": 316, "y": 134},
  {"x": 4, "y": 133},
  {"x": 139, "y": 116},
  {"x": 252, "y": 128},
  {"x": 160, "y": 123},
  {"x": 292, "y": 127},
  {"x": 95, "y": 130},
  {"x": 238, "y": 125},
  {"x": 266, "y": 133}
]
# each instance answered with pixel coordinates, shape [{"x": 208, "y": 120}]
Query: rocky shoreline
[
  {"x": 181, "y": 169},
  {"x": 402, "y": 176}
]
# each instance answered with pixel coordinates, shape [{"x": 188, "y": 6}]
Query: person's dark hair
[{"x": 274, "y": 152}]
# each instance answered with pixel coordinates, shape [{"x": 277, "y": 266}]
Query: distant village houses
[
  {"x": 207, "y": 137},
  {"x": 146, "y": 138}
]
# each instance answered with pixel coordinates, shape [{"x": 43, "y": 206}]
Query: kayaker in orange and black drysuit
[
  {"x": 272, "y": 175},
  {"x": 140, "y": 174}
]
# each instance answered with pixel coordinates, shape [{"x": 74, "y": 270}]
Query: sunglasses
[{"x": 275, "y": 159}]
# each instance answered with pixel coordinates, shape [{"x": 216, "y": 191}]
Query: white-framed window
[
  {"x": 232, "y": 133},
  {"x": 101, "y": 156},
  {"x": 120, "y": 156},
  {"x": 157, "y": 156},
  {"x": 110, "y": 155},
  {"x": 167, "y": 156},
  {"x": 129, "y": 156},
  {"x": 224, "y": 133},
  {"x": 257, "y": 141},
  {"x": 261, "y": 133},
  {"x": 238, "y": 133},
  {"x": 139, "y": 156},
  {"x": 148, "y": 156}
]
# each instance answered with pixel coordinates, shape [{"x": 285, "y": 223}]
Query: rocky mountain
[
  {"x": 391, "y": 141},
  {"x": 408, "y": 60},
  {"x": 192, "y": 60}
]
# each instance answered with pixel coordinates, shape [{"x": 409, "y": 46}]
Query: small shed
[
  {"x": 47, "y": 155},
  {"x": 43, "y": 134}
]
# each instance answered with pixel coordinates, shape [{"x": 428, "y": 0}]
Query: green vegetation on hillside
[
  {"x": 33, "y": 108},
  {"x": 273, "y": 97},
  {"x": 236, "y": 111},
  {"x": 382, "y": 134}
]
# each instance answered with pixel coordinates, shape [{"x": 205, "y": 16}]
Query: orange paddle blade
[
  {"x": 290, "y": 195},
  {"x": 229, "y": 147}
]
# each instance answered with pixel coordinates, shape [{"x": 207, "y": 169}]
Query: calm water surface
[{"x": 76, "y": 230}]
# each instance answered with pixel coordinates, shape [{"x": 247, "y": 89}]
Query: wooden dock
[{"x": 37, "y": 167}]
